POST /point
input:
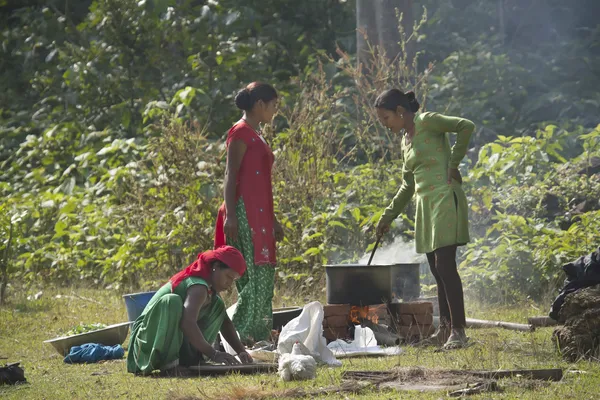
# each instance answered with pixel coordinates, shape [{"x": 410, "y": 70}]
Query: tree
[{"x": 378, "y": 26}]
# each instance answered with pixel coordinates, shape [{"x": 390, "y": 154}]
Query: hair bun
[
  {"x": 412, "y": 101},
  {"x": 242, "y": 100}
]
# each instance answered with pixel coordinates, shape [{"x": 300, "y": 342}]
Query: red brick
[
  {"x": 416, "y": 308},
  {"x": 337, "y": 321},
  {"x": 415, "y": 331},
  {"x": 405, "y": 320},
  {"x": 424, "y": 319},
  {"x": 412, "y": 319},
  {"x": 336, "y": 310}
]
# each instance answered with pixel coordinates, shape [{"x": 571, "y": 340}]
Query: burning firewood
[{"x": 383, "y": 336}]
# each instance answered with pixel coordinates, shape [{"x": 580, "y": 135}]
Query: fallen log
[
  {"x": 541, "y": 321},
  {"x": 481, "y": 323}
]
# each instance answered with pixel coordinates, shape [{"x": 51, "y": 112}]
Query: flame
[{"x": 369, "y": 313}]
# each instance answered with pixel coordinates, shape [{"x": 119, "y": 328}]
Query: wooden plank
[
  {"x": 254, "y": 368},
  {"x": 553, "y": 374}
]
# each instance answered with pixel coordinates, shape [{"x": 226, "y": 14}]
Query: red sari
[{"x": 255, "y": 188}]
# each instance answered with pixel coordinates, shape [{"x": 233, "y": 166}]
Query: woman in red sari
[{"x": 246, "y": 220}]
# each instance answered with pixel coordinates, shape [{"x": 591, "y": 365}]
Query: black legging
[{"x": 449, "y": 287}]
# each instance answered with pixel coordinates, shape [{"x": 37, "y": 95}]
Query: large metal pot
[{"x": 363, "y": 285}]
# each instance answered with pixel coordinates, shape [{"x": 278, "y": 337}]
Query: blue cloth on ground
[{"x": 93, "y": 352}]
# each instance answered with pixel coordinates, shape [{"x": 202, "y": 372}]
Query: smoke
[{"x": 398, "y": 252}]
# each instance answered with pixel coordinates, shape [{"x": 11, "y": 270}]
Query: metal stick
[{"x": 373, "y": 252}]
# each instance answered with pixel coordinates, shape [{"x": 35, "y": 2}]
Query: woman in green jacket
[{"x": 441, "y": 222}]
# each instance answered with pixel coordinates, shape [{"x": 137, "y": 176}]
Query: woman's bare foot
[
  {"x": 458, "y": 339},
  {"x": 437, "y": 339}
]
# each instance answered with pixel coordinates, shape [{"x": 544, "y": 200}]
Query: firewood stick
[
  {"x": 542, "y": 321},
  {"x": 481, "y": 323},
  {"x": 383, "y": 336}
]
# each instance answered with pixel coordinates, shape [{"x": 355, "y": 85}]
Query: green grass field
[{"x": 25, "y": 324}]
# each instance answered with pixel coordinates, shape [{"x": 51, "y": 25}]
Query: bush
[{"x": 532, "y": 211}]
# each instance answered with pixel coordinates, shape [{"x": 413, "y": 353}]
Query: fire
[{"x": 358, "y": 314}]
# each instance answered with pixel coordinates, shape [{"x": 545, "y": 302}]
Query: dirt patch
[
  {"x": 456, "y": 382},
  {"x": 420, "y": 379},
  {"x": 579, "y": 337},
  {"x": 263, "y": 393}
]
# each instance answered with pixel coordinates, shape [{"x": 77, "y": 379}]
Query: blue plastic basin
[{"x": 135, "y": 303}]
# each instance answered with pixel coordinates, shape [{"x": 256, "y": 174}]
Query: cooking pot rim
[{"x": 368, "y": 266}]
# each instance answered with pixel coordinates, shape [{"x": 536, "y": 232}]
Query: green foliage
[
  {"x": 112, "y": 115},
  {"x": 527, "y": 211},
  {"x": 84, "y": 328},
  {"x": 513, "y": 66}
]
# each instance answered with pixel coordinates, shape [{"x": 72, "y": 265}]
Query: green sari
[{"x": 157, "y": 342}]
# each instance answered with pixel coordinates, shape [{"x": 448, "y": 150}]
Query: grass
[{"x": 25, "y": 324}]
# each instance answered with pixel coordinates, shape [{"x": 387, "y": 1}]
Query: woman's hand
[
  {"x": 231, "y": 227},
  {"x": 454, "y": 173},
  {"x": 220, "y": 357},
  {"x": 382, "y": 228},
  {"x": 278, "y": 230},
  {"x": 245, "y": 357}
]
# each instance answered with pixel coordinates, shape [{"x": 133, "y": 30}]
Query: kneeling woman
[{"x": 182, "y": 320}]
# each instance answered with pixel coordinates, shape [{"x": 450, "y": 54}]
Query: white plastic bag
[
  {"x": 364, "y": 343},
  {"x": 307, "y": 328}
]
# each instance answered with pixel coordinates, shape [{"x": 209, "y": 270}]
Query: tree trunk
[
  {"x": 4, "y": 266},
  {"x": 366, "y": 30},
  {"x": 501, "y": 25},
  {"x": 378, "y": 20}
]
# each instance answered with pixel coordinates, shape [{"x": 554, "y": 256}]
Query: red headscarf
[{"x": 201, "y": 268}]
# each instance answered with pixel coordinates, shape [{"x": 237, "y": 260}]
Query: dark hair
[
  {"x": 246, "y": 98},
  {"x": 220, "y": 264},
  {"x": 392, "y": 98}
]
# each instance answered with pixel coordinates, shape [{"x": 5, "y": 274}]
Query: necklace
[
  {"x": 258, "y": 133},
  {"x": 250, "y": 125}
]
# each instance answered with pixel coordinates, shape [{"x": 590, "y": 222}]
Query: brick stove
[
  {"x": 335, "y": 321},
  {"x": 411, "y": 321}
]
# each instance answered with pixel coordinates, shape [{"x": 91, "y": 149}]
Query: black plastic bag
[{"x": 11, "y": 374}]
